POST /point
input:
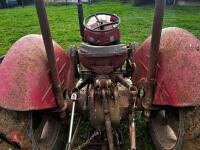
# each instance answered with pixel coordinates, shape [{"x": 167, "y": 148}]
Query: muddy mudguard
[
  {"x": 25, "y": 75},
  {"x": 178, "y": 72}
]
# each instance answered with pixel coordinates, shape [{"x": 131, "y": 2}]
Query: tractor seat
[{"x": 103, "y": 51}]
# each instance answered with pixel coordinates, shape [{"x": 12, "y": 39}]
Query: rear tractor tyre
[
  {"x": 47, "y": 131},
  {"x": 176, "y": 129},
  {"x": 15, "y": 123}
]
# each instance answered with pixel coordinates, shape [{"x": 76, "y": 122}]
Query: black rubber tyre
[
  {"x": 18, "y": 122},
  {"x": 47, "y": 132},
  {"x": 176, "y": 129}
]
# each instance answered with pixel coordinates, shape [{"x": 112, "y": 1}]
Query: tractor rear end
[{"x": 114, "y": 81}]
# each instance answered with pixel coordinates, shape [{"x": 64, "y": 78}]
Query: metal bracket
[{"x": 74, "y": 97}]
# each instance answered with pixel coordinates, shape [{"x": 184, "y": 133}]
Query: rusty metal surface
[
  {"x": 25, "y": 75},
  {"x": 132, "y": 132},
  {"x": 44, "y": 26},
  {"x": 102, "y": 38},
  {"x": 177, "y": 80},
  {"x": 118, "y": 103},
  {"x": 102, "y": 65},
  {"x": 107, "y": 118},
  {"x": 153, "y": 53}
]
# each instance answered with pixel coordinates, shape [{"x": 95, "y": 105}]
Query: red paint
[
  {"x": 102, "y": 38},
  {"x": 102, "y": 65},
  {"x": 14, "y": 136},
  {"x": 178, "y": 77},
  {"x": 25, "y": 77}
]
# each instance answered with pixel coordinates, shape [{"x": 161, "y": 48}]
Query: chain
[{"x": 88, "y": 141}]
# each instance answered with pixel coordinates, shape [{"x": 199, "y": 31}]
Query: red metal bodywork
[
  {"x": 102, "y": 65},
  {"x": 177, "y": 80},
  {"x": 102, "y": 38},
  {"x": 25, "y": 75}
]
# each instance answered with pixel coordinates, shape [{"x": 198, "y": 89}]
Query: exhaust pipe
[
  {"x": 44, "y": 26},
  {"x": 80, "y": 17},
  {"x": 155, "y": 44}
]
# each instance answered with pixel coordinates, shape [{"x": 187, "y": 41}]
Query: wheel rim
[
  {"x": 45, "y": 130},
  {"x": 168, "y": 128}
]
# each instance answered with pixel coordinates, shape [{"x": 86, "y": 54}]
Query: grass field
[{"x": 135, "y": 26}]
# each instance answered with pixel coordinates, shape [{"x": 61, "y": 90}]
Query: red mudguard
[
  {"x": 178, "y": 76},
  {"x": 25, "y": 75}
]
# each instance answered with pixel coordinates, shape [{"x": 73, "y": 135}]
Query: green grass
[{"x": 135, "y": 26}]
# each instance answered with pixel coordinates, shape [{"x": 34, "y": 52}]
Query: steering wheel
[{"x": 114, "y": 22}]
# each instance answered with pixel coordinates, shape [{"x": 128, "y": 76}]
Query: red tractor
[{"x": 46, "y": 93}]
